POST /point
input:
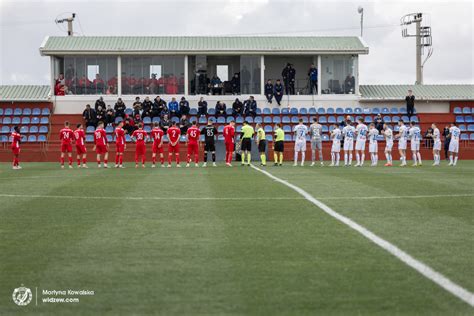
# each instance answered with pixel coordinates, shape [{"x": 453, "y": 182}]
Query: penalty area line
[{"x": 417, "y": 265}]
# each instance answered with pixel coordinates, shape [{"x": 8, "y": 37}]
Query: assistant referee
[
  {"x": 278, "y": 145},
  {"x": 246, "y": 147},
  {"x": 262, "y": 144}
]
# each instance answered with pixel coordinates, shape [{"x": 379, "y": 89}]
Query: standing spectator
[
  {"x": 184, "y": 107},
  {"x": 216, "y": 85},
  {"x": 101, "y": 114},
  {"x": 98, "y": 84},
  {"x": 147, "y": 106},
  {"x": 410, "y": 99},
  {"x": 109, "y": 115},
  {"x": 137, "y": 106},
  {"x": 60, "y": 87},
  {"x": 269, "y": 91},
  {"x": 349, "y": 84},
  {"x": 120, "y": 108},
  {"x": 173, "y": 108},
  {"x": 245, "y": 80},
  {"x": 202, "y": 107},
  {"x": 220, "y": 109},
  {"x": 165, "y": 123},
  {"x": 235, "y": 84},
  {"x": 237, "y": 108},
  {"x": 288, "y": 74},
  {"x": 429, "y": 137},
  {"x": 379, "y": 123},
  {"x": 70, "y": 72},
  {"x": 99, "y": 102},
  {"x": 184, "y": 124},
  {"x": 251, "y": 107},
  {"x": 447, "y": 140},
  {"x": 90, "y": 116},
  {"x": 278, "y": 92},
  {"x": 159, "y": 107},
  {"x": 313, "y": 79}
]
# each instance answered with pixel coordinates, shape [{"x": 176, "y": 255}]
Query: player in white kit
[
  {"x": 455, "y": 133},
  {"x": 361, "y": 132},
  {"x": 388, "y": 134},
  {"x": 349, "y": 133},
  {"x": 402, "y": 142},
  {"x": 436, "y": 144},
  {"x": 336, "y": 136},
  {"x": 415, "y": 137},
  {"x": 300, "y": 143},
  {"x": 373, "y": 145}
]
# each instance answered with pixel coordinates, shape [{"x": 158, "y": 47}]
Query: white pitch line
[
  {"x": 419, "y": 266},
  {"x": 38, "y": 196},
  {"x": 394, "y": 197}
]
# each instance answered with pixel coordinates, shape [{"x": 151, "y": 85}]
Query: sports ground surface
[{"x": 235, "y": 241}]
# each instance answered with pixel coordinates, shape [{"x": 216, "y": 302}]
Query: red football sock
[
  {"x": 153, "y": 159},
  {"x": 188, "y": 159},
  {"x": 196, "y": 158},
  {"x": 105, "y": 161},
  {"x": 70, "y": 160},
  {"x": 143, "y": 159},
  {"x": 78, "y": 161},
  {"x": 84, "y": 160},
  {"x": 169, "y": 158},
  {"x": 162, "y": 160},
  {"x": 177, "y": 158},
  {"x": 117, "y": 159},
  {"x": 62, "y": 161},
  {"x": 136, "y": 158},
  {"x": 121, "y": 159}
]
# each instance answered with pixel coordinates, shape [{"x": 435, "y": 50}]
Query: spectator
[
  {"x": 137, "y": 119},
  {"x": 313, "y": 79},
  {"x": 220, "y": 109},
  {"x": 120, "y": 108},
  {"x": 429, "y": 137},
  {"x": 159, "y": 107},
  {"x": 84, "y": 85},
  {"x": 60, "y": 87},
  {"x": 109, "y": 115},
  {"x": 245, "y": 80},
  {"x": 269, "y": 91},
  {"x": 184, "y": 106},
  {"x": 90, "y": 116},
  {"x": 378, "y": 121},
  {"x": 110, "y": 90},
  {"x": 349, "y": 84},
  {"x": 288, "y": 75},
  {"x": 278, "y": 92},
  {"x": 99, "y": 102},
  {"x": 410, "y": 100},
  {"x": 235, "y": 84},
  {"x": 202, "y": 107},
  {"x": 70, "y": 73},
  {"x": 98, "y": 84},
  {"x": 129, "y": 124},
  {"x": 173, "y": 108},
  {"x": 216, "y": 85},
  {"x": 101, "y": 115},
  {"x": 147, "y": 106},
  {"x": 447, "y": 140},
  {"x": 251, "y": 107},
  {"x": 137, "y": 106},
  {"x": 184, "y": 124},
  {"x": 237, "y": 108},
  {"x": 165, "y": 123}
]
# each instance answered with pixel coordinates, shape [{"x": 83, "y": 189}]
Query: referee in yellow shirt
[
  {"x": 262, "y": 144},
  {"x": 278, "y": 145},
  {"x": 246, "y": 142}
]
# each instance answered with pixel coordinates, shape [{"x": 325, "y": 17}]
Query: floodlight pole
[
  {"x": 419, "y": 66},
  {"x": 70, "y": 31},
  {"x": 361, "y": 12}
]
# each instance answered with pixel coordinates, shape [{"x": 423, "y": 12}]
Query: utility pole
[
  {"x": 69, "y": 21},
  {"x": 361, "y": 12},
  {"x": 423, "y": 41}
]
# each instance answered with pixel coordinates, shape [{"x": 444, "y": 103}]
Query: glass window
[
  {"x": 338, "y": 74},
  {"x": 222, "y": 72},
  {"x": 250, "y": 74}
]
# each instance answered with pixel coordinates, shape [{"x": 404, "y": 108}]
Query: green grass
[{"x": 171, "y": 254}]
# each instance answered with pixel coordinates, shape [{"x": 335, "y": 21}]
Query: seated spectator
[
  {"x": 278, "y": 92},
  {"x": 137, "y": 119},
  {"x": 269, "y": 91},
  {"x": 159, "y": 107},
  {"x": 349, "y": 84},
  {"x": 235, "y": 83},
  {"x": 165, "y": 123},
  {"x": 137, "y": 106},
  {"x": 89, "y": 116},
  {"x": 184, "y": 106},
  {"x": 251, "y": 107},
  {"x": 60, "y": 86},
  {"x": 173, "y": 108},
  {"x": 378, "y": 121},
  {"x": 237, "y": 107},
  {"x": 98, "y": 84},
  {"x": 99, "y": 102},
  {"x": 202, "y": 107},
  {"x": 110, "y": 90},
  {"x": 146, "y": 107},
  {"x": 101, "y": 114},
  {"x": 220, "y": 109},
  {"x": 120, "y": 108},
  {"x": 184, "y": 124},
  {"x": 129, "y": 125},
  {"x": 216, "y": 85},
  {"x": 109, "y": 115},
  {"x": 84, "y": 85}
]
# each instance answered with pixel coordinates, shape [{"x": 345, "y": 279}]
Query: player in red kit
[
  {"x": 193, "y": 135},
  {"x": 101, "y": 145},
  {"x": 229, "y": 135},
  {"x": 119, "y": 145},
  {"x": 16, "y": 139},
  {"x": 66, "y": 136},
  {"x": 140, "y": 137},
  {"x": 157, "y": 136},
  {"x": 174, "y": 133},
  {"x": 81, "y": 150}
]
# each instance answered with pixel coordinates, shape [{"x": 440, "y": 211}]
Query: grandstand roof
[
  {"x": 421, "y": 92},
  {"x": 24, "y": 93},
  {"x": 202, "y": 44}
]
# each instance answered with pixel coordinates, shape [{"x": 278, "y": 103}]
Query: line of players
[{"x": 344, "y": 137}]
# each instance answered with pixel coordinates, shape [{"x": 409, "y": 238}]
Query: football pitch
[{"x": 200, "y": 241}]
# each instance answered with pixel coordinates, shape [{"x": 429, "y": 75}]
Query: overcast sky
[{"x": 24, "y": 25}]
